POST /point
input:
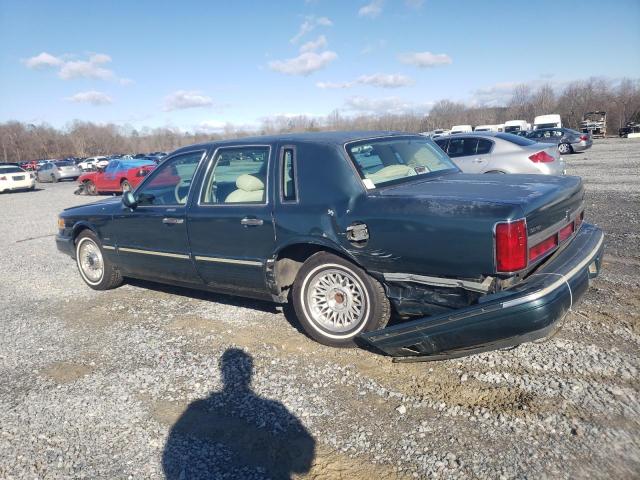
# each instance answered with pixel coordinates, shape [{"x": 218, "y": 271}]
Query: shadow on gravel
[{"x": 235, "y": 433}]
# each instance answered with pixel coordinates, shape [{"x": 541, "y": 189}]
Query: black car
[{"x": 350, "y": 227}]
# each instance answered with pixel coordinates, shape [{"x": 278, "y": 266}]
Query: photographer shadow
[{"x": 234, "y": 433}]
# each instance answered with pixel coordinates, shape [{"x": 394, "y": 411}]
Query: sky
[{"x": 198, "y": 65}]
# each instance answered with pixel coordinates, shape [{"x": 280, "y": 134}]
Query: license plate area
[{"x": 19, "y": 177}]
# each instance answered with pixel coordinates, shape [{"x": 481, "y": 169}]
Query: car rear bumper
[
  {"x": 18, "y": 184},
  {"x": 581, "y": 146},
  {"x": 530, "y": 311},
  {"x": 65, "y": 175}
]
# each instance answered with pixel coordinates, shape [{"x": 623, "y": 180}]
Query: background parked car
[
  {"x": 91, "y": 163},
  {"x": 119, "y": 176},
  {"x": 489, "y": 152},
  {"x": 13, "y": 177},
  {"x": 567, "y": 140},
  {"x": 58, "y": 170}
]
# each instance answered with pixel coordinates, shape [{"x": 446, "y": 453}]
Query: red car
[{"x": 118, "y": 176}]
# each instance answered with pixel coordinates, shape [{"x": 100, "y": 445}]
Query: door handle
[
  {"x": 477, "y": 160},
  {"x": 172, "y": 221},
  {"x": 251, "y": 222}
]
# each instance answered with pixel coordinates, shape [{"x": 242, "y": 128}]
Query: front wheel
[
  {"x": 90, "y": 188},
  {"x": 335, "y": 300},
  {"x": 565, "y": 148},
  {"x": 96, "y": 271}
]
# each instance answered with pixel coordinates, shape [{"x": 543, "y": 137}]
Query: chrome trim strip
[
  {"x": 556, "y": 227},
  {"x": 563, "y": 279},
  {"x": 482, "y": 287},
  {"x": 150, "y": 252},
  {"x": 108, "y": 247},
  {"x": 233, "y": 261}
]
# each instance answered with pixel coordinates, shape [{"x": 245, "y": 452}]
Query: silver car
[
  {"x": 567, "y": 140},
  {"x": 58, "y": 170},
  {"x": 489, "y": 152}
]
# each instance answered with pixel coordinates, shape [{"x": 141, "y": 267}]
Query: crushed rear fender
[{"x": 531, "y": 310}]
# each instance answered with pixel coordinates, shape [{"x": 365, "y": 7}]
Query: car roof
[{"x": 328, "y": 138}]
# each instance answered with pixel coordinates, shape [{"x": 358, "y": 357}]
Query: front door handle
[
  {"x": 172, "y": 221},
  {"x": 251, "y": 222}
]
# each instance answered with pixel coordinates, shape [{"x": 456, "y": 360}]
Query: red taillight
[
  {"x": 3, "y": 178},
  {"x": 565, "y": 232},
  {"x": 543, "y": 247},
  {"x": 541, "y": 157},
  {"x": 511, "y": 246},
  {"x": 584, "y": 138}
]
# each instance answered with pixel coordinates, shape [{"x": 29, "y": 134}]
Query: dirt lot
[{"x": 146, "y": 381}]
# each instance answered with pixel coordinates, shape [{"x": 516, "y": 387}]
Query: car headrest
[{"x": 249, "y": 183}]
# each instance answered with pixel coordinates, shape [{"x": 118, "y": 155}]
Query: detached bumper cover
[{"x": 529, "y": 311}]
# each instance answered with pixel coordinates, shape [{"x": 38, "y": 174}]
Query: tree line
[{"x": 621, "y": 100}]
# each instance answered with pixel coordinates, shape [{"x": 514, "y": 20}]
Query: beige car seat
[{"x": 250, "y": 189}]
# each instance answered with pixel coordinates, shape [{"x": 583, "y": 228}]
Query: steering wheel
[{"x": 182, "y": 199}]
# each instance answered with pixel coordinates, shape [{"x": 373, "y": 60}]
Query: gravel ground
[{"x": 148, "y": 381}]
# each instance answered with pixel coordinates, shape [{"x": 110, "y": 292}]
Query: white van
[
  {"x": 547, "y": 121},
  {"x": 489, "y": 128},
  {"x": 512, "y": 126},
  {"x": 461, "y": 129}
]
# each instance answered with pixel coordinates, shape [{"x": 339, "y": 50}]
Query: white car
[
  {"x": 93, "y": 162},
  {"x": 15, "y": 178}
]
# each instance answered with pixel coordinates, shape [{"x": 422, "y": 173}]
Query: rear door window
[
  {"x": 462, "y": 146},
  {"x": 484, "y": 146}
]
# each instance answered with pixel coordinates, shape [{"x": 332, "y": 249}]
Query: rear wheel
[
  {"x": 565, "y": 148},
  {"x": 126, "y": 186},
  {"x": 90, "y": 187},
  {"x": 54, "y": 179},
  {"x": 96, "y": 271},
  {"x": 336, "y": 300}
]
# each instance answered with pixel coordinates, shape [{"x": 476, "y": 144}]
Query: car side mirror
[{"x": 129, "y": 199}]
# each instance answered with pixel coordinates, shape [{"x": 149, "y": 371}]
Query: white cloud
[
  {"x": 43, "y": 60},
  {"x": 317, "y": 44},
  {"x": 425, "y": 59},
  {"x": 385, "y": 105},
  {"x": 69, "y": 67},
  {"x": 85, "y": 69},
  {"x": 182, "y": 99},
  {"x": 372, "y": 9},
  {"x": 304, "y": 64},
  {"x": 309, "y": 25},
  {"x": 93, "y": 97},
  {"x": 210, "y": 126},
  {"x": 497, "y": 94},
  {"x": 381, "y": 80}
]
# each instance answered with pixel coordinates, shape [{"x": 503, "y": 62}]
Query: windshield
[
  {"x": 65, "y": 163},
  {"x": 385, "y": 161}
]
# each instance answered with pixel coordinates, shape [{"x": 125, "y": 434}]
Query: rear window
[
  {"x": 10, "y": 169},
  {"x": 518, "y": 140},
  {"x": 390, "y": 161},
  {"x": 65, "y": 163}
]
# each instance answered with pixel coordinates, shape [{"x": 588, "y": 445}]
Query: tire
[
  {"x": 125, "y": 186},
  {"x": 96, "y": 271},
  {"x": 54, "y": 179},
  {"x": 565, "y": 148},
  {"x": 336, "y": 283},
  {"x": 90, "y": 187}
]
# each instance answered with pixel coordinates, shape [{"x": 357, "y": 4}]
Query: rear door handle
[
  {"x": 172, "y": 221},
  {"x": 251, "y": 222}
]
